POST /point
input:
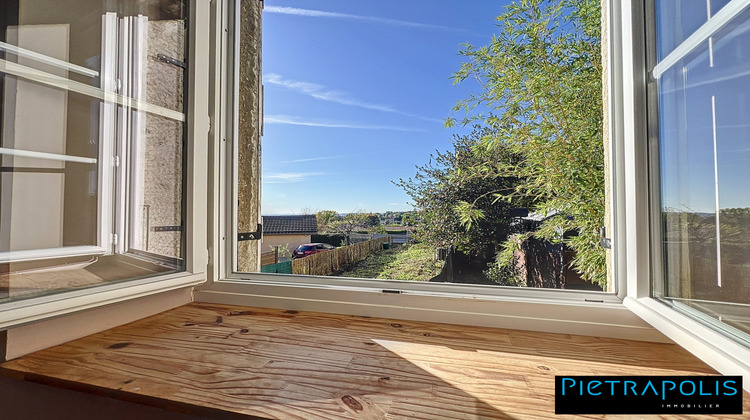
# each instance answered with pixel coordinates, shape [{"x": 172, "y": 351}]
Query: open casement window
[
  {"x": 678, "y": 122},
  {"x": 701, "y": 97},
  {"x": 93, "y": 136}
]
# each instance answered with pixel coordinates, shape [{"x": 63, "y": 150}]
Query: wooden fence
[
  {"x": 329, "y": 262},
  {"x": 268, "y": 258}
]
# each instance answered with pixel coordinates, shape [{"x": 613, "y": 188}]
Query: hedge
[{"x": 334, "y": 239}]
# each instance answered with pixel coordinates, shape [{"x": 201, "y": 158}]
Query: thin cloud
[
  {"x": 314, "y": 159},
  {"x": 291, "y": 120},
  {"x": 288, "y": 177},
  {"x": 334, "y": 15},
  {"x": 323, "y": 93}
]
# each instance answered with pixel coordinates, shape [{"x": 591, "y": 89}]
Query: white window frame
[
  {"x": 201, "y": 83},
  {"x": 566, "y": 311},
  {"x": 629, "y": 122}
]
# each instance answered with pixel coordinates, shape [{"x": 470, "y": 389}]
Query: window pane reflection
[
  {"x": 678, "y": 19},
  {"x": 704, "y": 116},
  {"x": 92, "y": 126}
]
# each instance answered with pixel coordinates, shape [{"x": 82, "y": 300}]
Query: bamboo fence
[
  {"x": 329, "y": 262},
  {"x": 268, "y": 258}
]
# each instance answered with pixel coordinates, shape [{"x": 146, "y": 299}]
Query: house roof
[{"x": 289, "y": 225}]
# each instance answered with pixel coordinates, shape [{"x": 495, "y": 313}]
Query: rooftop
[{"x": 277, "y": 225}]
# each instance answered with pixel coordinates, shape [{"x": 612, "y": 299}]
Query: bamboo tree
[{"x": 540, "y": 95}]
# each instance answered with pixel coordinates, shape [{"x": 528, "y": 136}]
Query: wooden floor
[{"x": 289, "y": 365}]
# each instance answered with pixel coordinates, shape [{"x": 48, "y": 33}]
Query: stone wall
[
  {"x": 249, "y": 132},
  {"x": 157, "y": 211}
]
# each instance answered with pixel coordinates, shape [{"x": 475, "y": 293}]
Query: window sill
[{"x": 544, "y": 312}]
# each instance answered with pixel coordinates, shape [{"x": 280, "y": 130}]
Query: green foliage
[
  {"x": 325, "y": 219},
  {"x": 329, "y": 238},
  {"x": 541, "y": 90},
  {"x": 285, "y": 253},
  {"x": 372, "y": 220},
  {"x": 504, "y": 275},
  {"x": 349, "y": 223},
  {"x": 380, "y": 229},
  {"x": 409, "y": 219},
  {"x": 406, "y": 262},
  {"x": 456, "y": 195}
]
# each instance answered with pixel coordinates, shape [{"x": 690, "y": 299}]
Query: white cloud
[
  {"x": 334, "y": 15},
  {"x": 288, "y": 177},
  {"x": 292, "y": 120},
  {"x": 323, "y": 93},
  {"x": 315, "y": 159}
]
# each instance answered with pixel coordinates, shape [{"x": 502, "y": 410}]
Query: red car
[{"x": 309, "y": 249}]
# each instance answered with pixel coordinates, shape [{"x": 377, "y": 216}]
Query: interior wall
[
  {"x": 21, "y": 399},
  {"x": 83, "y": 18},
  {"x": 31, "y": 206},
  {"x": 41, "y": 335}
]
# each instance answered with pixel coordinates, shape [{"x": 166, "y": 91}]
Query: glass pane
[
  {"x": 49, "y": 183},
  {"x": 678, "y": 19},
  {"x": 704, "y": 104},
  {"x": 91, "y": 142},
  {"x": 156, "y": 140},
  {"x": 362, "y": 179}
]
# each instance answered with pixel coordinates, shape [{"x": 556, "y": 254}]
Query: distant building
[{"x": 287, "y": 231}]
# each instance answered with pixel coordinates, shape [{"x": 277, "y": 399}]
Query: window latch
[
  {"x": 251, "y": 236},
  {"x": 605, "y": 242}
]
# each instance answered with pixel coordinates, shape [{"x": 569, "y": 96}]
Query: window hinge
[
  {"x": 116, "y": 162},
  {"x": 605, "y": 242},
  {"x": 177, "y": 228},
  {"x": 171, "y": 60},
  {"x": 118, "y": 87},
  {"x": 114, "y": 239},
  {"x": 251, "y": 236}
]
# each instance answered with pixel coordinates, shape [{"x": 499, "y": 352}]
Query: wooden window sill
[{"x": 219, "y": 360}]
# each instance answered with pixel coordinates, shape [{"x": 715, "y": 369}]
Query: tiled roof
[{"x": 277, "y": 225}]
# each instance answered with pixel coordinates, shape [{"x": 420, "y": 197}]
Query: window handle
[{"x": 605, "y": 242}]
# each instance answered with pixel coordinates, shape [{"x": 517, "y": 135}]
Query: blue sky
[{"x": 355, "y": 95}]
